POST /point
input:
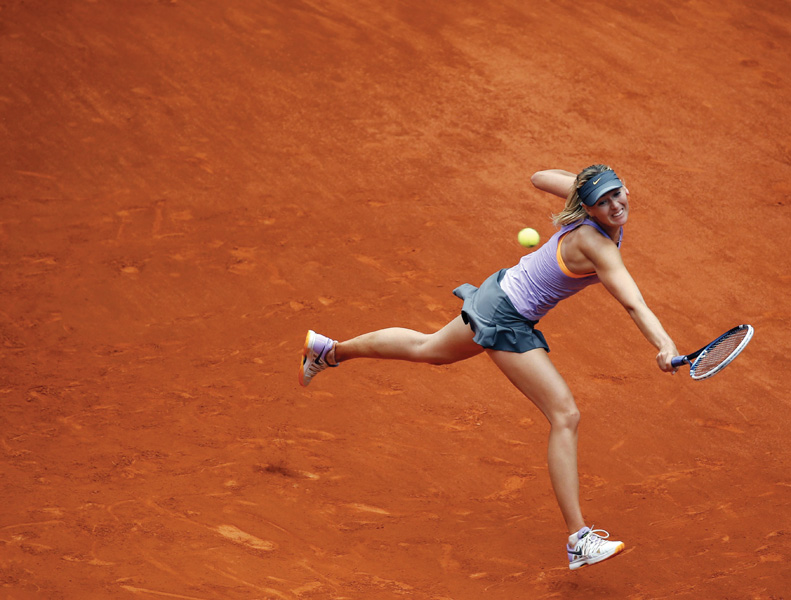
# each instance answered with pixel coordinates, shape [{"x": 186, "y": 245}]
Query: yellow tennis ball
[{"x": 528, "y": 237}]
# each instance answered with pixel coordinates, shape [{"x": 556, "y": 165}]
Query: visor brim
[{"x": 599, "y": 192}]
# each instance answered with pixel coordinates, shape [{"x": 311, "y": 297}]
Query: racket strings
[{"x": 719, "y": 353}]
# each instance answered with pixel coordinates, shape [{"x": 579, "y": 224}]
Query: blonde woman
[{"x": 500, "y": 318}]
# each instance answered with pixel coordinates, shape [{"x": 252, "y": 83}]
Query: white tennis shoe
[
  {"x": 590, "y": 546},
  {"x": 314, "y": 356}
]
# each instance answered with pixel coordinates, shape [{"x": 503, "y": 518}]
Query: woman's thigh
[
  {"x": 537, "y": 378},
  {"x": 450, "y": 344}
]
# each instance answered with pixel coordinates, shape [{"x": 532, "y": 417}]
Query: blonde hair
[{"x": 575, "y": 209}]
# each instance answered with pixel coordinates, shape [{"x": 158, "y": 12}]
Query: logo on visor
[{"x": 596, "y": 181}]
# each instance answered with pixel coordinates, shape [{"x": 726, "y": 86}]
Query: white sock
[
  {"x": 334, "y": 362},
  {"x": 574, "y": 538}
]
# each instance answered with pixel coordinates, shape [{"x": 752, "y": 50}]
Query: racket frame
[{"x": 693, "y": 359}]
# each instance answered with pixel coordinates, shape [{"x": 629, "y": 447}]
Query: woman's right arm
[
  {"x": 613, "y": 274},
  {"x": 554, "y": 181}
]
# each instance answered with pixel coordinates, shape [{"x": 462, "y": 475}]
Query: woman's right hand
[{"x": 665, "y": 356}]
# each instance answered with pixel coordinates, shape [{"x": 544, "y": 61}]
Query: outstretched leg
[
  {"x": 536, "y": 377},
  {"x": 450, "y": 344}
]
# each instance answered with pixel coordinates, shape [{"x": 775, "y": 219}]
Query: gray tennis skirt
[{"x": 494, "y": 320}]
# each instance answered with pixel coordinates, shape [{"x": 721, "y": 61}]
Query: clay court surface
[{"x": 186, "y": 187}]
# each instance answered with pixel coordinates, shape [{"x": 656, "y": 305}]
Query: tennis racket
[{"x": 717, "y": 355}]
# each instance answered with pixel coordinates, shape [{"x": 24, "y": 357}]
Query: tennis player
[{"x": 501, "y": 315}]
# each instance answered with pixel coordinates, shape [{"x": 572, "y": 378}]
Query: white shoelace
[{"x": 593, "y": 541}]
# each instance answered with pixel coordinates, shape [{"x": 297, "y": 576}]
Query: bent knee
[
  {"x": 423, "y": 350},
  {"x": 445, "y": 360},
  {"x": 434, "y": 349},
  {"x": 566, "y": 416},
  {"x": 439, "y": 359}
]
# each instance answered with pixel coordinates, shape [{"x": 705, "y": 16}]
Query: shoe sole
[
  {"x": 305, "y": 352},
  {"x": 621, "y": 547}
]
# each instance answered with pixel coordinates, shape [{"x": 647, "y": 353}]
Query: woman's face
[{"x": 612, "y": 209}]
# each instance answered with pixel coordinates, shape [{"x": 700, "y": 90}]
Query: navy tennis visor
[{"x": 597, "y": 186}]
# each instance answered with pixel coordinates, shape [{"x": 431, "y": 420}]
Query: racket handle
[{"x": 677, "y": 361}]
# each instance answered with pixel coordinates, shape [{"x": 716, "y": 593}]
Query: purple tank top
[{"x": 540, "y": 280}]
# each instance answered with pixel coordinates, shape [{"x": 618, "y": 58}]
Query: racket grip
[{"x": 677, "y": 361}]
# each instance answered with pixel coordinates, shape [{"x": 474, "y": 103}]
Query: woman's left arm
[{"x": 618, "y": 281}]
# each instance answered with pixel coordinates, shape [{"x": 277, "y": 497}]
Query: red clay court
[{"x": 188, "y": 186}]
